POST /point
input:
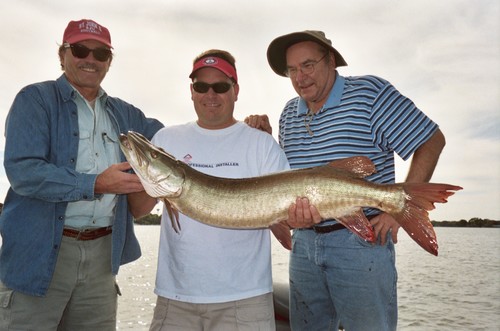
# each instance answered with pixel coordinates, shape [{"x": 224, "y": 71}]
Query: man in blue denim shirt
[{"x": 65, "y": 225}]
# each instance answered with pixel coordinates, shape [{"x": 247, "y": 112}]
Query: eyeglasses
[
  {"x": 305, "y": 68},
  {"x": 101, "y": 54},
  {"x": 220, "y": 87}
]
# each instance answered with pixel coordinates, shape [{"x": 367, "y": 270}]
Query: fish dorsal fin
[{"x": 356, "y": 166}]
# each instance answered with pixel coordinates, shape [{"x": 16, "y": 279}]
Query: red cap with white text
[{"x": 86, "y": 30}]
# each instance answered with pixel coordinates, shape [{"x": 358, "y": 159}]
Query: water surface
[{"x": 458, "y": 290}]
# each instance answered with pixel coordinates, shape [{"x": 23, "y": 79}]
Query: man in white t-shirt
[{"x": 211, "y": 278}]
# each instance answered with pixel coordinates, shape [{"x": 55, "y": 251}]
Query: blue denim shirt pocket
[
  {"x": 86, "y": 160},
  {"x": 111, "y": 146}
]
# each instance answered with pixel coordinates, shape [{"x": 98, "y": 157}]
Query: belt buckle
[
  {"x": 87, "y": 231},
  {"x": 80, "y": 233}
]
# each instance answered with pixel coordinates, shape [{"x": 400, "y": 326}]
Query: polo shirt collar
[{"x": 333, "y": 98}]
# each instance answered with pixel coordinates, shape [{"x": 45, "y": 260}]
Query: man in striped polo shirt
[{"x": 336, "y": 278}]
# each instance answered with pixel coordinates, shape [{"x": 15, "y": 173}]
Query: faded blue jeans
[{"x": 337, "y": 278}]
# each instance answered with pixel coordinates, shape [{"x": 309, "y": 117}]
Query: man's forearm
[{"x": 425, "y": 158}]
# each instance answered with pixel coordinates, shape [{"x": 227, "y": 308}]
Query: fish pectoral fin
[
  {"x": 359, "y": 224},
  {"x": 357, "y": 166},
  {"x": 173, "y": 214},
  {"x": 282, "y": 233}
]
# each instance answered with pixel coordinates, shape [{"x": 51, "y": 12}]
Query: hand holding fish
[
  {"x": 116, "y": 180},
  {"x": 302, "y": 215},
  {"x": 382, "y": 225}
]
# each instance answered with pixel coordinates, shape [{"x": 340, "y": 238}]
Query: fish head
[{"x": 160, "y": 173}]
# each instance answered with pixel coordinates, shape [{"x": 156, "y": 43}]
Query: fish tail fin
[{"x": 420, "y": 198}]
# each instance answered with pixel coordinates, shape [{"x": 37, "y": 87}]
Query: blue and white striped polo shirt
[{"x": 363, "y": 115}]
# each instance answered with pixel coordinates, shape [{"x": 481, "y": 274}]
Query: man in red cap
[
  {"x": 65, "y": 224},
  {"x": 210, "y": 278}
]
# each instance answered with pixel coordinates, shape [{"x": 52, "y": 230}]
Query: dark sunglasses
[
  {"x": 221, "y": 87},
  {"x": 101, "y": 54}
]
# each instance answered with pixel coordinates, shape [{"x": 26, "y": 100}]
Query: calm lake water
[{"x": 459, "y": 290}]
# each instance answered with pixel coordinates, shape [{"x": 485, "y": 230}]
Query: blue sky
[{"x": 444, "y": 55}]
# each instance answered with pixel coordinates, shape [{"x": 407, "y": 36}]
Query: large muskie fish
[{"x": 338, "y": 191}]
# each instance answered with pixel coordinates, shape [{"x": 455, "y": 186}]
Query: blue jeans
[{"x": 339, "y": 279}]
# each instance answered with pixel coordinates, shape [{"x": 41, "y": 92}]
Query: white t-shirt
[{"x": 206, "y": 264}]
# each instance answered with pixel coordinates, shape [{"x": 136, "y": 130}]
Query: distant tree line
[
  {"x": 475, "y": 222},
  {"x": 153, "y": 219}
]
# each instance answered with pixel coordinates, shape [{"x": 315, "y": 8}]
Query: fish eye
[{"x": 154, "y": 154}]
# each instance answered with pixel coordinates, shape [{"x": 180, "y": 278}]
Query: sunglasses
[
  {"x": 221, "y": 87},
  {"x": 101, "y": 54}
]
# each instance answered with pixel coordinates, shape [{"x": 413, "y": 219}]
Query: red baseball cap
[
  {"x": 86, "y": 30},
  {"x": 216, "y": 63}
]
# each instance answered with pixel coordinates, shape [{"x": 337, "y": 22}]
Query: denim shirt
[{"x": 40, "y": 156}]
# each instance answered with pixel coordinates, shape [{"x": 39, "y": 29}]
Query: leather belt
[
  {"x": 327, "y": 228},
  {"x": 88, "y": 234}
]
